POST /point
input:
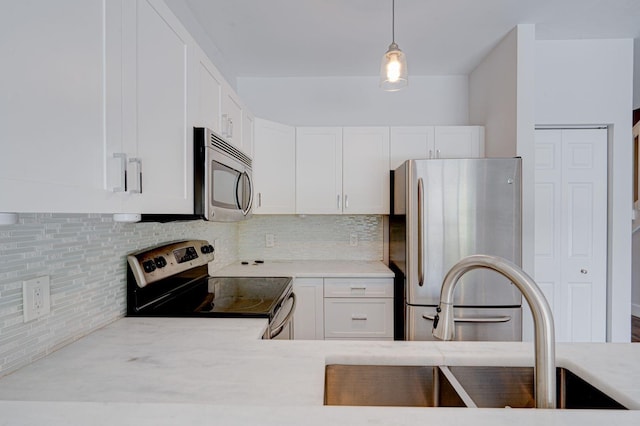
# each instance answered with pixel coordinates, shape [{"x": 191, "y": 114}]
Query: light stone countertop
[
  {"x": 307, "y": 268},
  {"x": 193, "y": 370}
]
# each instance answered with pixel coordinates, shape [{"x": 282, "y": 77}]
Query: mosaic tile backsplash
[
  {"x": 312, "y": 237},
  {"x": 84, "y": 256}
]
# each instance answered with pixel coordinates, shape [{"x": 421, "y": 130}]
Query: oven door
[
  {"x": 229, "y": 187},
  {"x": 281, "y": 327}
]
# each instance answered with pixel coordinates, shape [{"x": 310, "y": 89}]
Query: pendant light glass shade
[{"x": 393, "y": 72}]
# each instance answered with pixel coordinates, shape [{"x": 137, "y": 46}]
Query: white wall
[
  {"x": 586, "y": 82},
  {"x": 357, "y": 101},
  {"x": 493, "y": 97},
  {"x": 502, "y": 98}
]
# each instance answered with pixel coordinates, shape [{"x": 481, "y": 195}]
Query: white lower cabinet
[
  {"x": 343, "y": 308},
  {"x": 308, "y": 318},
  {"x": 356, "y": 318}
]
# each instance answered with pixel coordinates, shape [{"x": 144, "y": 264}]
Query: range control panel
[{"x": 160, "y": 262}]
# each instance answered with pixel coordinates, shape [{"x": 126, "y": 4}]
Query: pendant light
[{"x": 393, "y": 72}]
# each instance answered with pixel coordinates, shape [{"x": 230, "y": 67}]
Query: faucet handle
[{"x": 446, "y": 329}]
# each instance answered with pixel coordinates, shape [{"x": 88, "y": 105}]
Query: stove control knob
[
  {"x": 207, "y": 249},
  {"x": 160, "y": 262},
  {"x": 148, "y": 266}
]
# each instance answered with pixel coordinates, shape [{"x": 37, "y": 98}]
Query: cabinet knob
[{"x": 584, "y": 271}]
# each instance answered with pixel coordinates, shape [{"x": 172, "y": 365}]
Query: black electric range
[{"x": 172, "y": 280}]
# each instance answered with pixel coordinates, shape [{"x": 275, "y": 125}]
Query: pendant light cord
[{"x": 393, "y": 21}]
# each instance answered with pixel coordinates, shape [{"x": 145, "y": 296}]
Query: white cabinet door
[
  {"x": 248, "y": 132},
  {"x": 158, "y": 110},
  {"x": 458, "y": 142},
  {"x": 365, "y": 165},
  {"x": 231, "y": 120},
  {"x": 411, "y": 142},
  {"x": 274, "y": 168},
  {"x": 571, "y": 230},
  {"x": 308, "y": 318},
  {"x": 318, "y": 170},
  {"x": 54, "y": 105},
  {"x": 209, "y": 93}
]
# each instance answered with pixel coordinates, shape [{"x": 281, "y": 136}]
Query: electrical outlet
[
  {"x": 353, "y": 240},
  {"x": 269, "y": 240},
  {"x": 36, "y": 298}
]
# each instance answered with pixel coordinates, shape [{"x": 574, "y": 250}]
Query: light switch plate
[{"x": 36, "y": 298}]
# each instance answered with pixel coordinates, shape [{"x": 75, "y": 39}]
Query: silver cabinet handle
[
  {"x": 123, "y": 172},
  {"x": 584, "y": 271},
  {"x": 358, "y": 288},
  {"x": 437, "y": 153},
  {"x": 338, "y": 201},
  {"x": 138, "y": 163},
  {"x": 356, "y": 317},
  {"x": 430, "y": 153},
  {"x": 230, "y": 128},
  {"x": 505, "y": 318},
  {"x": 259, "y": 199},
  {"x": 275, "y": 331},
  {"x": 346, "y": 202},
  {"x": 420, "y": 230}
]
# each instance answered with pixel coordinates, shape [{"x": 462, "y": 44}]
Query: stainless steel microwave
[{"x": 223, "y": 183}]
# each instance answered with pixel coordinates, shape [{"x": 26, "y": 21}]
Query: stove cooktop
[{"x": 183, "y": 288}]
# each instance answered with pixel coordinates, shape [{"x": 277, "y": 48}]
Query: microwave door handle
[{"x": 239, "y": 186}]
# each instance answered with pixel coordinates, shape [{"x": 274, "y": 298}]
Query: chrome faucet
[{"x": 545, "y": 354}]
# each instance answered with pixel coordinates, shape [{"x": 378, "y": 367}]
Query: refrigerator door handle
[
  {"x": 420, "y": 230},
  {"x": 505, "y": 318}
]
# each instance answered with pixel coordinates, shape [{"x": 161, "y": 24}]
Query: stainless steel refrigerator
[{"x": 442, "y": 211}]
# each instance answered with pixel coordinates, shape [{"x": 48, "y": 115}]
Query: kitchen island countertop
[{"x": 216, "y": 371}]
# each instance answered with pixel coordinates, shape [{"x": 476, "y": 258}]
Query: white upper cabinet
[
  {"x": 319, "y": 170},
  {"x": 411, "y": 142},
  {"x": 53, "y": 106},
  {"x": 342, "y": 171},
  {"x": 274, "y": 168},
  {"x": 248, "y": 132},
  {"x": 231, "y": 119},
  {"x": 415, "y": 142},
  {"x": 209, "y": 93},
  {"x": 158, "y": 109},
  {"x": 365, "y": 170},
  {"x": 459, "y": 142}
]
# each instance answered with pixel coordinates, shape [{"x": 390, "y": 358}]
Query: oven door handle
[{"x": 275, "y": 331}]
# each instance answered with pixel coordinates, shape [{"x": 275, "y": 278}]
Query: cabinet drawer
[
  {"x": 357, "y": 318},
  {"x": 358, "y": 287}
]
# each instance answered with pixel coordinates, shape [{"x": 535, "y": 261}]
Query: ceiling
[{"x": 289, "y": 38}]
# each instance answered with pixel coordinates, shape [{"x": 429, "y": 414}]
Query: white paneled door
[{"x": 571, "y": 229}]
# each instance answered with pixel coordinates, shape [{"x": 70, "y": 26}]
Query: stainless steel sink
[
  {"x": 454, "y": 386},
  {"x": 388, "y": 385},
  {"x": 498, "y": 387}
]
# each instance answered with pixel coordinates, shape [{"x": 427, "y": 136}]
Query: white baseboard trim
[{"x": 635, "y": 310}]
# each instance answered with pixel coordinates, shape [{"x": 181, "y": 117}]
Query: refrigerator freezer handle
[
  {"x": 420, "y": 230},
  {"x": 505, "y": 318}
]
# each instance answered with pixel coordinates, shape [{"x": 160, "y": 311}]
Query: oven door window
[{"x": 225, "y": 186}]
